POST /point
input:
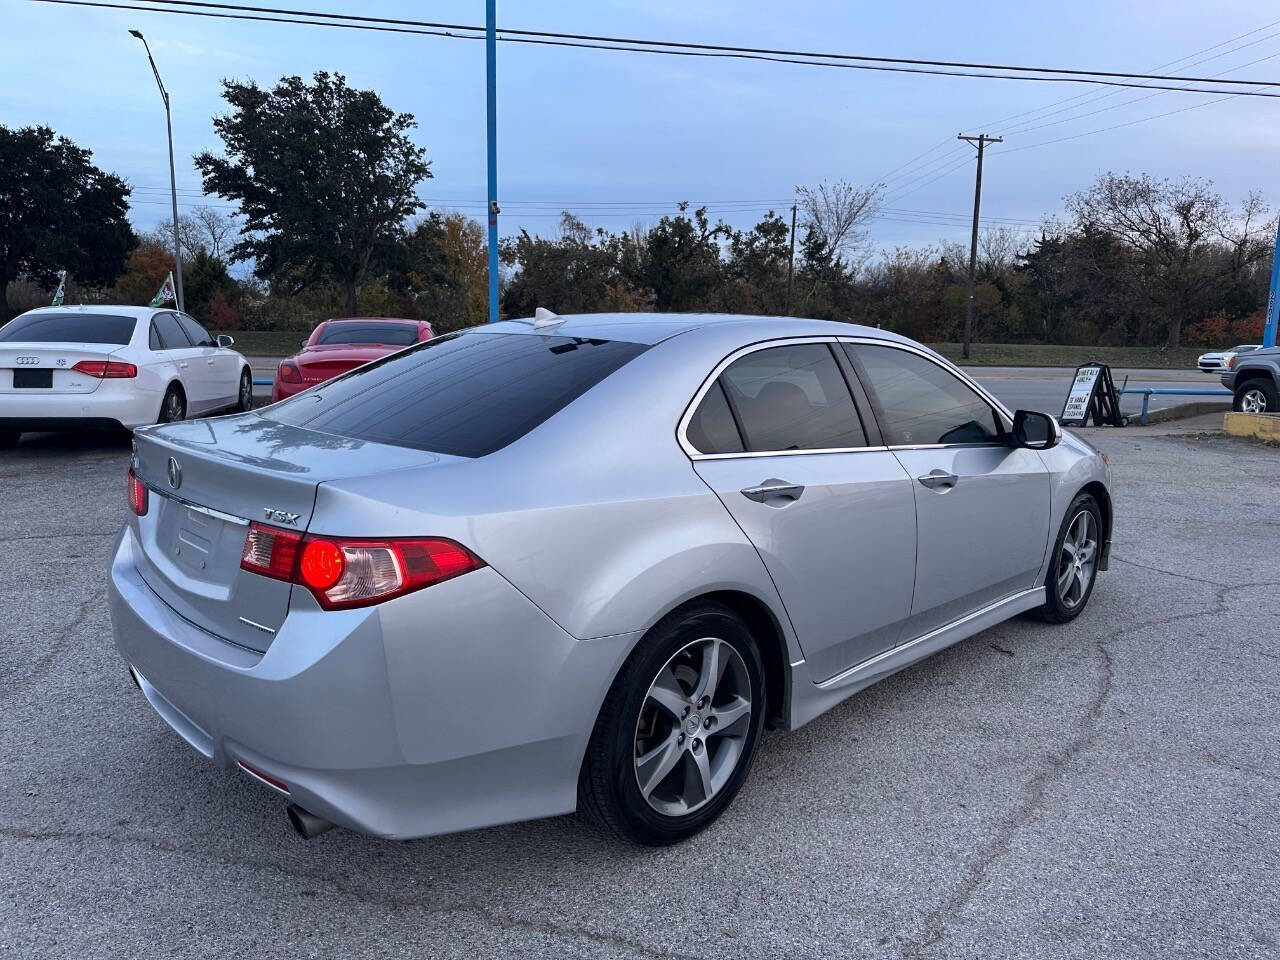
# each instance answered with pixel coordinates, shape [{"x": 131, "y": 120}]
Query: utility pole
[
  {"x": 173, "y": 178},
  {"x": 491, "y": 96},
  {"x": 791, "y": 263},
  {"x": 981, "y": 140}
]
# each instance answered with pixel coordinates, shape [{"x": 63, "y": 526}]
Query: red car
[{"x": 342, "y": 344}]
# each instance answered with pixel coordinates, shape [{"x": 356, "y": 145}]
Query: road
[
  {"x": 1030, "y": 388},
  {"x": 1104, "y": 789}
]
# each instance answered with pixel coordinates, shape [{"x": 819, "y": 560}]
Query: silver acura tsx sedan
[{"x": 581, "y": 562}]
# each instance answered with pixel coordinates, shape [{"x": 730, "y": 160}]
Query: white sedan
[
  {"x": 1221, "y": 360},
  {"x": 66, "y": 368}
]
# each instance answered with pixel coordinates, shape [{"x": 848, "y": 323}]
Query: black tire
[
  {"x": 608, "y": 787},
  {"x": 9, "y": 439},
  {"x": 174, "y": 405},
  {"x": 1064, "y": 603},
  {"x": 244, "y": 399},
  {"x": 1257, "y": 391}
]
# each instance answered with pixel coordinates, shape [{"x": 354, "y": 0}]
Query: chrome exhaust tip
[{"x": 306, "y": 824}]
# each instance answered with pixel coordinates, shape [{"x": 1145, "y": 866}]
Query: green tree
[
  {"x": 58, "y": 211},
  {"x": 325, "y": 177},
  {"x": 681, "y": 262}
]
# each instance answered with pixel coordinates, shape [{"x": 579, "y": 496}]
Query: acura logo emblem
[
  {"x": 175, "y": 474},
  {"x": 28, "y": 361}
]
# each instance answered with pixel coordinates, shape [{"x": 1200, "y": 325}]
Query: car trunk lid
[
  {"x": 208, "y": 480},
  {"x": 45, "y": 368}
]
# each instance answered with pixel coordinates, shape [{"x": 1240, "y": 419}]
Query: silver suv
[{"x": 1254, "y": 379}]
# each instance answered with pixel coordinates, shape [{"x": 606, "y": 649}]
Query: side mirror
[
  {"x": 305, "y": 341},
  {"x": 225, "y": 341},
  {"x": 1035, "y": 431}
]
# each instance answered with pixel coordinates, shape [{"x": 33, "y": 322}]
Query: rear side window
[
  {"x": 466, "y": 395},
  {"x": 393, "y": 334},
  {"x": 165, "y": 330},
  {"x": 70, "y": 327},
  {"x": 712, "y": 428},
  {"x": 792, "y": 398},
  {"x": 923, "y": 403}
]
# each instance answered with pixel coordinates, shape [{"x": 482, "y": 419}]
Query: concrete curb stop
[{"x": 1260, "y": 426}]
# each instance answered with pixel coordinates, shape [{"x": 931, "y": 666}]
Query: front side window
[
  {"x": 69, "y": 327},
  {"x": 467, "y": 395},
  {"x": 792, "y": 397},
  {"x": 197, "y": 334},
  {"x": 923, "y": 403}
]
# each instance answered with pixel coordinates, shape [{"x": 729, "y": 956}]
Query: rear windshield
[
  {"x": 69, "y": 328},
  {"x": 399, "y": 334},
  {"x": 467, "y": 394}
]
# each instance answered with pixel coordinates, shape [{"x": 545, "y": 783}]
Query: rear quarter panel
[{"x": 597, "y": 516}]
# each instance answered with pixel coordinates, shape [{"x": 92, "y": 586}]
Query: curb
[
  {"x": 1183, "y": 411},
  {"x": 1259, "y": 426}
]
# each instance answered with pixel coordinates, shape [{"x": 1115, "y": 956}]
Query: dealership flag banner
[
  {"x": 166, "y": 293},
  {"x": 62, "y": 286}
]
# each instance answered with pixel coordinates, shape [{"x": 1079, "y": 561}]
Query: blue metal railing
[{"x": 1148, "y": 392}]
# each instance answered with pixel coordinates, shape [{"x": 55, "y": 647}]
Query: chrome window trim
[{"x": 693, "y": 453}]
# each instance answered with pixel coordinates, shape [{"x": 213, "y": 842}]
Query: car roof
[
  {"x": 119, "y": 310},
  {"x": 653, "y": 328}
]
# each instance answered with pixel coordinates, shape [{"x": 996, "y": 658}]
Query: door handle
[
  {"x": 773, "y": 487},
  {"x": 183, "y": 365},
  {"x": 209, "y": 361},
  {"x": 939, "y": 480}
]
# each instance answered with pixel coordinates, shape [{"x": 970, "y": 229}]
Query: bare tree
[
  {"x": 1186, "y": 239},
  {"x": 217, "y": 227},
  {"x": 838, "y": 213}
]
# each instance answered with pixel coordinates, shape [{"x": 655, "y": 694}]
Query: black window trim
[
  {"x": 1003, "y": 418},
  {"x": 855, "y": 393}
]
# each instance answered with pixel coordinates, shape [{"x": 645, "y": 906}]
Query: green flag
[
  {"x": 166, "y": 293},
  {"x": 62, "y": 286}
]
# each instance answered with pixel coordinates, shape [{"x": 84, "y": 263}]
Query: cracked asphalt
[{"x": 1105, "y": 789}]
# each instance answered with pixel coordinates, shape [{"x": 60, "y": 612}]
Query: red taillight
[
  {"x": 343, "y": 573},
  {"x": 270, "y": 551},
  {"x": 288, "y": 373},
  {"x": 137, "y": 494},
  {"x": 321, "y": 564},
  {"x": 106, "y": 369}
]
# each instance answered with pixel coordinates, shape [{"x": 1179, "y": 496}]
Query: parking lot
[{"x": 1107, "y": 788}]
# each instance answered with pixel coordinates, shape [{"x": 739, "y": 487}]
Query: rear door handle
[
  {"x": 773, "y": 487},
  {"x": 939, "y": 480},
  {"x": 210, "y": 361}
]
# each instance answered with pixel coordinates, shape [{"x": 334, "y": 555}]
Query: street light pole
[{"x": 173, "y": 178}]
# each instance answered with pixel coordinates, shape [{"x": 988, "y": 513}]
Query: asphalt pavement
[{"x": 1107, "y": 788}]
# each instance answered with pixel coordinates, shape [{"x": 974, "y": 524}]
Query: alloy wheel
[
  {"x": 693, "y": 727},
  {"x": 246, "y": 392},
  {"x": 1253, "y": 401},
  {"x": 174, "y": 408},
  {"x": 1077, "y": 559}
]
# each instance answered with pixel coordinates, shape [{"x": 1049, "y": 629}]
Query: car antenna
[{"x": 542, "y": 317}]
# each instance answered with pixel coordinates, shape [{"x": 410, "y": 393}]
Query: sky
[{"x": 619, "y": 138}]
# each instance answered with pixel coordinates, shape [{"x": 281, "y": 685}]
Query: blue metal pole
[
  {"x": 1273, "y": 301},
  {"x": 491, "y": 84}
]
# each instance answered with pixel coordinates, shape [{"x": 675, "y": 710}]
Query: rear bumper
[
  {"x": 109, "y": 405},
  {"x": 455, "y": 707}
]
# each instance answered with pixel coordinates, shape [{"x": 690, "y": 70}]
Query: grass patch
[
  {"x": 1054, "y": 355},
  {"x": 266, "y": 343}
]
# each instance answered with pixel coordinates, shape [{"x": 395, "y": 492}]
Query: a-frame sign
[{"x": 1092, "y": 395}]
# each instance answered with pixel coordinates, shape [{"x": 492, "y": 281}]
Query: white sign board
[{"x": 1076, "y": 409}]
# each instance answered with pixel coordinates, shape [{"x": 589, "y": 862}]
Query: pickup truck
[{"x": 1254, "y": 379}]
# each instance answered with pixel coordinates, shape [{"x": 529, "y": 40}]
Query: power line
[{"x": 684, "y": 49}]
